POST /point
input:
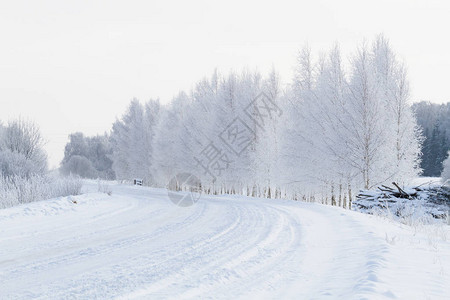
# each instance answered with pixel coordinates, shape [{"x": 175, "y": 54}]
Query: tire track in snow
[
  {"x": 232, "y": 266},
  {"x": 136, "y": 244}
]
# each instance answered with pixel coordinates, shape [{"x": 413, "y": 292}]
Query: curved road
[{"x": 137, "y": 244}]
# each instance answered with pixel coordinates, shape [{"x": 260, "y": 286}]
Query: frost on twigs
[{"x": 15, "y": 190}]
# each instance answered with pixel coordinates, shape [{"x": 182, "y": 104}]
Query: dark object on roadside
[{"x": 432, "y": 200}]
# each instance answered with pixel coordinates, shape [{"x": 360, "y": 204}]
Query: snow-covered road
[{"x": 137, "y": 244}]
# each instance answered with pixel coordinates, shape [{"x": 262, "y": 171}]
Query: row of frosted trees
[{"x": 336, "y": 128}]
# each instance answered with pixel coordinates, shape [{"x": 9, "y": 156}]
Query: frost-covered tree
[
  {"x": 79, "y": 165},
  {"x": 2, "y": 132},
  {"x": 267, "y": 142},
  {"x": 16, "y": 164},
  {"x": 235, "y": 94},
  {"x": 126, "y": 135},
  {"x": 369, "y": 147},
  {"x": 349, "y": 128},
  {"x": 151, "y": 118},
  {"x": 77, "y": 145},
  {"x": 88, "y": 157},
  {"x": 99, "y": 154},
  {"x": 131, "y": 141},
  {"x": 192, "y": 129},
  {"x": 401, "y": 127},
  {"x": 21, "y": 147},
  {"x": 334, "y": 128},
  {"x": 23, "y": 137},
  {"x": 23, "y": 167},
  {"x": 168, "y": 146}
]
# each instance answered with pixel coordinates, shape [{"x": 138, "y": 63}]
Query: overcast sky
[{"x": 74, "y": 65}]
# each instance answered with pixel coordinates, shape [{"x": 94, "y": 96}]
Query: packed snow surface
[{"x": 138, "y": 244}]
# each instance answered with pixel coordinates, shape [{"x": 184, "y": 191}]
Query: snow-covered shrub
[
  {"x": 16, "y": 190},
  {"x": 23, "y": 167},
  {"x": 22, "y": 137},
  {"x": 16, "y": 164},
  {"x": 61, "y": 187}
]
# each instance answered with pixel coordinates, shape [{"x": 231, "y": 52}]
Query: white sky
[{"x": 74, "y": 65}]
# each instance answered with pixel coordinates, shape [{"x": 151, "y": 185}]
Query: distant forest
[{"x": 435, "y": 122}]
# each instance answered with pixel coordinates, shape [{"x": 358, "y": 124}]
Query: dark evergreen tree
[{"x": 435, "y": 122}]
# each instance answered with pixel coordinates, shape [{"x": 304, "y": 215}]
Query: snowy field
[{"x": 137, "y": 244}]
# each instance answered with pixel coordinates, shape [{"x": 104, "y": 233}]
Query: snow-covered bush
[
  {"x": 16, "y": 190},
  {"x": 61, "y": 187},
  {"x": 21, "y": 141},
  {"x": 16, "y": 164},
  {"x": 23, "y": 167}
]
